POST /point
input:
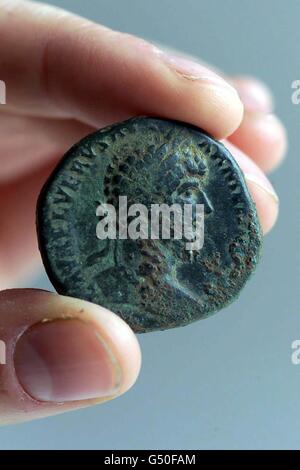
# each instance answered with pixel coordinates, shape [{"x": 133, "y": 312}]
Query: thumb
[{"x": 59, "y": 354}]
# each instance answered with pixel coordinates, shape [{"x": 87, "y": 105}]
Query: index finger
[{"x": 57, "y": 64}]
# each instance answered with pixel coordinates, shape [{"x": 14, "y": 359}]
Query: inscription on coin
[{"x": 153, "y": 284}]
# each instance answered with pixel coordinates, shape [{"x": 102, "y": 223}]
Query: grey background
[{"x": 227, "y": 382}]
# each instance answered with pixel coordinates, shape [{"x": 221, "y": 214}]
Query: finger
[
  {"x": 28, "y": 143},
  {"x": 255, "y": 95},
  {"x": 61, "y": 354},
  {"x": 263, "y": 138},
  {"x": 81, "y": 70},
  {"x": 262, "y": 191},
  {"x": 261, "y": 134}
]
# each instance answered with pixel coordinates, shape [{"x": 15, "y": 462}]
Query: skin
[{"x": 76, "y": 77}]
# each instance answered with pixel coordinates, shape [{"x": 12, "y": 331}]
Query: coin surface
[{"x": 152, "y": 283}]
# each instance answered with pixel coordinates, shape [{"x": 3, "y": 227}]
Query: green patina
[{"x": 151, "y": 284}]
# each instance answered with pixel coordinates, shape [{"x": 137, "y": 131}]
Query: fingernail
[
  {"x": 254, "y": 94},
  {"x": 65, "y": 360},
  {"x": 192, "y": 70},
  {"x": 263, "y": 183}
]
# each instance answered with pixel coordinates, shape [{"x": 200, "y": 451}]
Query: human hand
[{"x": 65, "y": 77}]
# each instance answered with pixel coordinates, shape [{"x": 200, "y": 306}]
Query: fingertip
[
  {"x": 261, "y": 189},
  {"x": 122, "y": 340},
  {"x": 267, "y": 206},
  {"x": 115, "y": 334},
  {"x": 227, "y": 112},
  {"x": 255, "y": 95},
  {"x": 194, "y": 93},
  {"x": 262, "y": 137}
]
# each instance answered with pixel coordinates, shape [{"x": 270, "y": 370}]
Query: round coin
[{"x": 151, "y": 219}]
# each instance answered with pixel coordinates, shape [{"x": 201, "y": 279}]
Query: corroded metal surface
[{"x": 151, "y": 284}]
